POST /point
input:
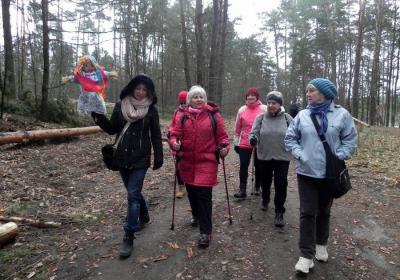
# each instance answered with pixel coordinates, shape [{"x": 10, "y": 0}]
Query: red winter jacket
[{"x": 197, "y": 162}]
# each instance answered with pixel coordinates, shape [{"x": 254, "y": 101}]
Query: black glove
[
  {"x": 253, "y": 141},
  {"x": 157, "y": 164},
  {"x": 236, "y": 148},
  {"x": 96, "y": 116}
]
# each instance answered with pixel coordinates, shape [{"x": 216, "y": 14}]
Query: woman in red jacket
[{"x": 199, "y": 137}]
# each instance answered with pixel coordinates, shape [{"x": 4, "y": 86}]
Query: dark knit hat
[
  {"x": 252, "y": 91},
  {"x": 325, "y": 87},
  {"x": 276, "y": 96},
  {"x": 182, "y": 96}
]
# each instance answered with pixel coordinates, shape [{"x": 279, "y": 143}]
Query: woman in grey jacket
[
  {"x": 268, "y": 133},
  {"x": 303, "y": 142}
]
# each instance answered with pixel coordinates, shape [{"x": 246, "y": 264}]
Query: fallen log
[
  {"x": 34, "y": 135},
  {"x": 8, "y": 232},
  {"x": 32, "y": 222}
]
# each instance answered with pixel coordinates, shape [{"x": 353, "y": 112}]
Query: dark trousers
[
  {"x": 200, "y": 199},
  {"x": 245, "y": 157},
  {"x": 315, "y": 209},
  {"x": 278, "y": 171}
]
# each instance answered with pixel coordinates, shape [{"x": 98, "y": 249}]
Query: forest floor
[{"x": 65, "y": 181}]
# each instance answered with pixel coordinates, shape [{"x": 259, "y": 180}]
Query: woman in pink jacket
[
  {"x": 244, "y": 121},
  {"x": 199, "y": 137}
]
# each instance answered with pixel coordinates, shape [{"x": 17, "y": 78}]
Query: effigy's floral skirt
[{"x": 89, "y": 102}]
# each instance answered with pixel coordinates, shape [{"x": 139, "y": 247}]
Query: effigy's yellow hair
[{"x": 83, "y": 60}]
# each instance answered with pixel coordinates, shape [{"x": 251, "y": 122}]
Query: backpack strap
[
  {"x": 287, "y": 121},
  {"x": 212, "y": 119}
]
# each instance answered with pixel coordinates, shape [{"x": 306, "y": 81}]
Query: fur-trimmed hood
[{"x": 140, "y": 79}]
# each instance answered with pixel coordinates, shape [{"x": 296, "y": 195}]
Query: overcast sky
[{"x": 248, "y": 10}]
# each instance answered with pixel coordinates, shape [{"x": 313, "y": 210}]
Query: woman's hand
[
  {"x": 176, "y": 146},
  {"x": 223, "y": 152}
]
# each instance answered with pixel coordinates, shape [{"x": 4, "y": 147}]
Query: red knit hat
[
  {"x": 253, "y": 91},
  {"x": 182, "y": 96}
]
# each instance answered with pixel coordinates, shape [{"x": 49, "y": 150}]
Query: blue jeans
[{"x": 137, "y": 207}]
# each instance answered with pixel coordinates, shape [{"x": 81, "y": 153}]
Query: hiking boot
[
  {"x": 264, "y": 205},
  {"x": 204, "y": 240},
  {"x": 279, "y": 222},
  {"x": 240, "y": 194},
  {"x": 127, "y": 244},
  {"x": 321, "y": 254},
  {"x": 181, "y": 191},
  {"x": 194, "y": 222},
  {"x": 304, "y": 265},
  {"x": 257, "y": 191}
]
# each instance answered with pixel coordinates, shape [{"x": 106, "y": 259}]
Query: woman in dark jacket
[{"x": 137, "y": 106}]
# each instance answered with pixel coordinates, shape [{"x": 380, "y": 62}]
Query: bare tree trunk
[
  {"x": 391, "y": 72},
  {"x": 375, "y": 72},
  {"x": 199, "y": 31},
  {"x": 357, "y": 62},
  {"x": 45, "y": 84},
  {"x": 33, "y": 69},
  {"x": 332, "y": 48},
  {"x": 394, "y": 102},
  {"x": 8, "y": 49},
  {"x": 212, "y": 75},
  {"x": 184, "y": 46},
  {"x": 221, "y": 69}
]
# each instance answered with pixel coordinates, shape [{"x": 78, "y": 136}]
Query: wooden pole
[
  {"x": 8, "y": 232},
  {"x": 32, "y": 222},
  {"x": 34, "y": 135},
  {"x": 360, "y": 122}
]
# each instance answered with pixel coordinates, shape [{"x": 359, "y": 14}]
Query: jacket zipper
[{"x": 141, "y": 133}]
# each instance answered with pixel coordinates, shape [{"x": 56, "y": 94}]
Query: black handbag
[
  {"x": 337, "y": 174},
  {"x": 108, "y": 151}
]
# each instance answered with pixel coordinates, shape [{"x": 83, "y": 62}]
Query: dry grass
[{"x": 379, "y": 150}]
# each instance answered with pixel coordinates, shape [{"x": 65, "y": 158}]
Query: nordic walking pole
[
  {"x": 226, "y": 190},
  {"x": 173, "y": 203}
]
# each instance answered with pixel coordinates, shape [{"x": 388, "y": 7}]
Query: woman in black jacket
[{"x": 137, "y": 106}]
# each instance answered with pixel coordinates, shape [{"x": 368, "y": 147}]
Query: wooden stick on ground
[
  {"x": 32, "y": 222},
  {"x": 8, "y": 232}
]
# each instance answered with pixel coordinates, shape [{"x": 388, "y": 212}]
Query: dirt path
[{"x": 66, "y": 181}]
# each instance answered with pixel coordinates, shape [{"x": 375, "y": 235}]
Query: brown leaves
[{"x": 173, "y": 245}]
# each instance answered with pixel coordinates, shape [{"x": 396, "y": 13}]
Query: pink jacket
[
  {"x": 244, "y": 121},
  {"x": 197, "y": 163}
]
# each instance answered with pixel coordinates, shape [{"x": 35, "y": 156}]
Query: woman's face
[
  {"x": 88, "y": 67},
  {"x": 140, "y": 92},
  {"x": 313, "y": 95},
  {"x": 197, "y": 101},
  {"x": 250, "y": 99},
  {"x": 273, "y": 107}
]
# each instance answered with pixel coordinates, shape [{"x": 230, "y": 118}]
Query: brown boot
[{"x": 181, "y": 191}]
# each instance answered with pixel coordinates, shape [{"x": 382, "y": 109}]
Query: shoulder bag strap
[
  {"x": 121, "y": 134},
  {"x": 321, "y": 136}
]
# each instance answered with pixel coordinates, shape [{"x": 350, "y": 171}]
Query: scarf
[
  {"x": 321, "y": 109},
  {"x": 133, "y": 109},
  {"x": 195, "y": 111},
  {"x": 253, "y": 105}
]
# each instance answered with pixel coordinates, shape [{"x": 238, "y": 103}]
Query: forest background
[{"x": 355, "y": 44}]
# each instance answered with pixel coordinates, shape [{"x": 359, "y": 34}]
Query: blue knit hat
[{"x": 325, "y": 87}]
